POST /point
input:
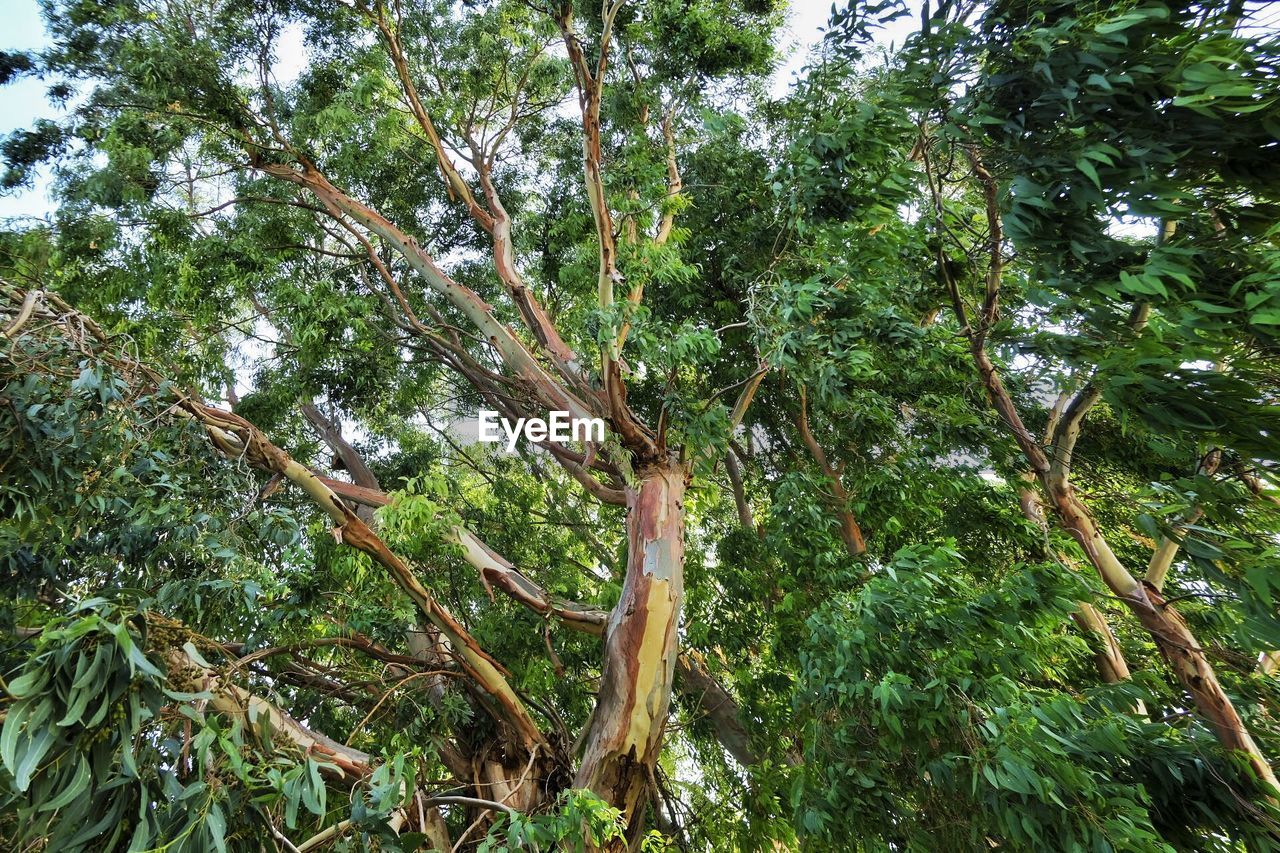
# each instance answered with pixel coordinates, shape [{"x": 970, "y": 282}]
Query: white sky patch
[
  {"x": 1132, "y": 228},
  {"x": 805, "y": 21},
  {"x": 291, "y": 55},
  {"x": 804, "y": 29},
  {"x": 23, "y": 101}
]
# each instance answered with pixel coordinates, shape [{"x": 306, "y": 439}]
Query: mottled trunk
[
  {"x": 1172, "y": 636},
  {"x": 625, "y": 736},
  {"x": 1177, "y": 644},
  {"x": 1112, "y": 666}
]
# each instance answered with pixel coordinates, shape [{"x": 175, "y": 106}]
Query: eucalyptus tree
[
  {"x": 904, "y": 376},
  {"x": 417, "y": 133}
]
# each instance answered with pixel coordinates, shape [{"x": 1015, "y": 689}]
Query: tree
[{"x": 848, "y": 570}]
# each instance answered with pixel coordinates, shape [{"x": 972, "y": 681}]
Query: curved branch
[
  {"x": 850, "y": 530},
  {"x": 496, "y": 571},
  {"x": 454, "y": 181},
  {"x": 238, "y": 438},
  {"x": 707, "y": 694},
  {"x": 1170, "y": 632},
  {"x": 495, "y": 220},
  {"x": 24, "y": 314},
  {"x": 514, "y": 353},
  {"x": 693, "y": 679}
]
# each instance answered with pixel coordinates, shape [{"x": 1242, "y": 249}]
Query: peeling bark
[
  {"x": 625, "y": 736},
  {"x": 693, "y": 680},
  {"x": 350, "y": 765},
  {"x": 496, "y": 571},
  {"x": 1177, "y": 645}
]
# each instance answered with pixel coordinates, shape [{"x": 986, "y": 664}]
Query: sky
[{"x": 22, "y": 102}]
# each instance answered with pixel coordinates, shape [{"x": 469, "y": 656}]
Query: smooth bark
[
  {"x": 1172, "y": 636},
  {"x": 640, "y": 649}
]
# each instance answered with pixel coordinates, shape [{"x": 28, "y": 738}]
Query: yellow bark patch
[{"x": 650, "y": 667}]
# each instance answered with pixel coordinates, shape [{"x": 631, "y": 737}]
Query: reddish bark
[
  {"x": 850, "y": 531},
  {"x": 625, "y": 737}
]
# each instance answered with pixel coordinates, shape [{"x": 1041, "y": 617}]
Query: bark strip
[{"x": 625, "y": 736}]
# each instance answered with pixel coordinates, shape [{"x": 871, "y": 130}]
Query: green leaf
[
  {"x": 14, "y": 722},
  {"x": 1085, "y": 166},
  {"x": 78, "y": 784},
  {"x": 29, "y": 761},
  {"x": 77, "y": 707},
  {"x": 194, "y": 653},
  {"x": 29, "y": 683},
  {"x": 217, "y": 826}
]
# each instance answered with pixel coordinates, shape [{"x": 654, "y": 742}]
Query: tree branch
[
  {"x": 634, "y": 435},
  {"x": 850, "y": 531},
  {"x": 237, "y": 438},
  {"x": 514, "y": 353}
]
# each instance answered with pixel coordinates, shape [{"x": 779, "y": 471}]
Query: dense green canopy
[{"x": 939, "y": 503}]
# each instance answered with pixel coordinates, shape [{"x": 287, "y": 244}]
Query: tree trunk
[
  {"x": 1170, "y": 632},
  {"x": 1112, "y": 666},
  {"x": 641, "y": 646},
  {"x": 1177, "y": 644}
]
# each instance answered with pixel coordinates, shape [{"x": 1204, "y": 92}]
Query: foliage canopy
[{"x": 938, "y": 506}]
